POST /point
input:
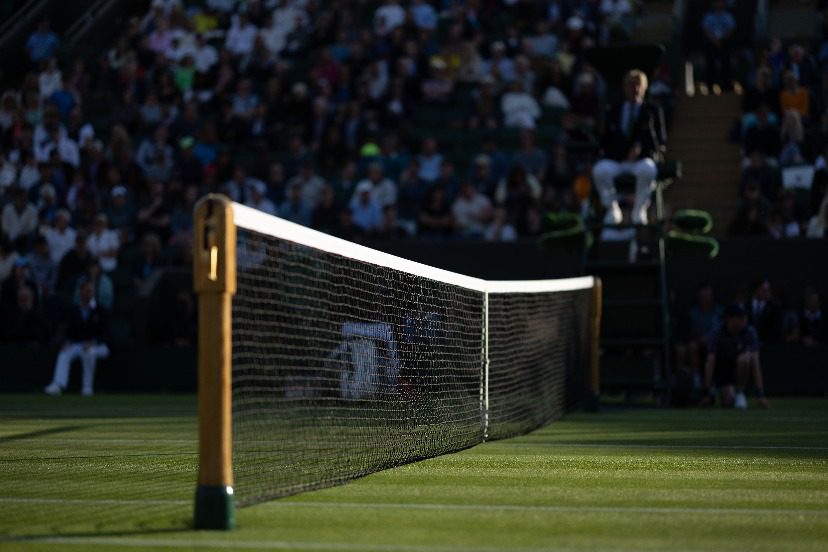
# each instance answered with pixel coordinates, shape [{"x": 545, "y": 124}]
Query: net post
[
  {"x": 214, "y": 281},
  {"x": 595, "y": 348}
]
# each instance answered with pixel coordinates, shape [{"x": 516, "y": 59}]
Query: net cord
[{"x": 261, "y": 222}]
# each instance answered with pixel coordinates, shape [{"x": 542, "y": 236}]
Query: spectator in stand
[
  {"x": 764, "y": 313},
  {"x": 104, "y": 288},
  {"x": 794, "y": 149},
  {"x": 500, "y": 66},
  {"x": 761, "y": 92},
  {"x": 154, "y": 215},
  {"x": 429, "y": 161},
  {"x": 733, "y": 356},
  {"x": 42, "y": 44},
  {"x": 147, "y": 151},
  {"x": 326, "y": 215},
  {"x": 794, "y": 97},
  {"x": 518, "y": 192},
  {"x": 818, "y": 224},
  {"x": 718, "y": 27},
  {"x": 438, "y": 87},
  {"x": 785, "y": 217},
  {"x": 74, "y": 263},
  {"x": 241, "y": 37},
  {"x": 8, "y": 256},
  {"x": 309, "y": 183},
  {"x": 500, "y": 229},
  {"x": 472, "y": 211},
  {"x": 383, "y": 190},
  {"x": 86, "y": 335},
  {"x": 19, "y": 219},
  {"x": 812, "y": 328},
  {"x": 21, "y": 277},
  {"x": 759, "y": 175},
  {"x": 762, "y": 134},
  {"x": 802, "y": 65},
  {"x": 25, "y": 323},
  {"x": 388, "y": 17},
  {"x": 150, "y": 260},
  {"x": 366, "y": 209},
  {"x": 533, "y": 159},
  {"x": 436, "y": 221},
  {"x": 257, "y": 199},
  {"x": 519, "y": 108},
  {"x": 634, "y": 138},
  {"x": 104, "y": 243},
  {"x": 43, "y": 268},
  {"x": 61, "y": 236},
  {"x": 294, "y": 208}
]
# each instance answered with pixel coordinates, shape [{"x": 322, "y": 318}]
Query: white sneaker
[
  {"x": 52, "y": 389},
  {"x": 740, "y": 401}
]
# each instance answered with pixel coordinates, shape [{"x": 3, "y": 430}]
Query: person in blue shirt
[
  {"x": 42, "y": 44},
  {"x": 718, "y": 27},
  {"x": 366, "y": 211}
]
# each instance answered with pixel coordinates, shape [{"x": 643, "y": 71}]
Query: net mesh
[
  {"x": 538, "y": 346},
  {"x": 343, "y": 367}
]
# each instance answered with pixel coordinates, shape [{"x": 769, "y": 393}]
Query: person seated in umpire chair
[{"x": 633, "y": 142}]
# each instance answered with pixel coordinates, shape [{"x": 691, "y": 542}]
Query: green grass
[{"x": 117, "y": 473}]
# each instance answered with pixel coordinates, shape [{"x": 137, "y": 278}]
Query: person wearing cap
[
  {"x": 634, "y": 137},
  {"x": 87, "y": 330},
  {"x": 732, "y": 357},
  {"x": 384, "y": 190}
]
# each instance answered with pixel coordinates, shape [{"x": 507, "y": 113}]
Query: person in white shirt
[
  {"x": 241, "y": 37},
  {"x": 472, "y": 211},
  {"x": 67, "y": 149},
  {"x": 383, "y": 190},
  {"x": 519, "y": 108},
  {"x": 61, "y": 237},
  {"x": 257, "y": 200},
  {"x": 388, "y": 17},
  {"x": 19, "y": 218},
  {"x": 430, "y": 161},
  {"x": 50, "y": 80},
  {"x": 205, "y": 56},
  {"x": 104, "y": 243}
]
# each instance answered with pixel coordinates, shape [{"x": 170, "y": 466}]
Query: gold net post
[{"x": 214, "y": 280}]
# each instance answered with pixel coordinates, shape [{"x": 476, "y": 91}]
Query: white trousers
[
  {"x": 89, "y": 356},
  {"x": 645, "y": 172}
]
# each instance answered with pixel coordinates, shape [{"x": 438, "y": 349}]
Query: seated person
[
  {"x": 633, "y": 138},
  {"x": 732, "y": 355},
  {"x": 86, "y": 334}
]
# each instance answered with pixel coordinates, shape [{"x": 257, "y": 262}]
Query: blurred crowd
[
  {"x": 328, "y": 114},
  {"x": 783, "y": 132}
]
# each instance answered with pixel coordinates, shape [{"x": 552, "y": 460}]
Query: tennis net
[{"x": 347, "y": 360}]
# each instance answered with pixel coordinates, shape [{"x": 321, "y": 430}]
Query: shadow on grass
[{"x": 40, "y": 433}]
